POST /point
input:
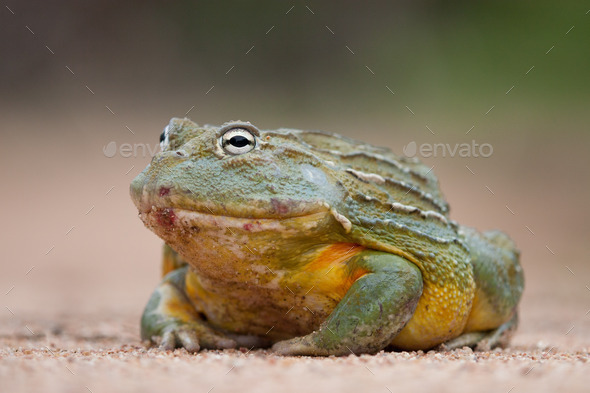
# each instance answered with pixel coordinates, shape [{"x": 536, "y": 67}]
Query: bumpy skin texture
[{"x": 315, "y": 244}]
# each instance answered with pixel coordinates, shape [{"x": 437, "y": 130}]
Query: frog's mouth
[
  {"x": 274, "y": 211},
  {"x": 170, "y": 219}
]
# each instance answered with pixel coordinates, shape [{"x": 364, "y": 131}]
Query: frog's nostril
[{"x": 164, "y": 191}]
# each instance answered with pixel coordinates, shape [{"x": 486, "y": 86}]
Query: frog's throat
[{"x": 204, "y": 239}]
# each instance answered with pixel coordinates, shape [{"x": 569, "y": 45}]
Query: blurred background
[{"x": 79, "y": 80}]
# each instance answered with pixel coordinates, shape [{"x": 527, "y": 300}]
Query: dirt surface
[
  {"x": 78, "y": 267},
  {"x": 89, "y": 353}
]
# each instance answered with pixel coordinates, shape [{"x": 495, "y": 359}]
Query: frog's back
[
  {"x": 375, "y": 166},
  {"x": 383, "y": 191}
]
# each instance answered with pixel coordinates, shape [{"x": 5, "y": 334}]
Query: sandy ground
[
  {"x": 89, "y": 353},
  {"x": 78, "y": 267}
]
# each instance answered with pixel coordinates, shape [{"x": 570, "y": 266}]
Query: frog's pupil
[
  {"x": 239, "y": 141},
  {"x": 162, "y": 137}
]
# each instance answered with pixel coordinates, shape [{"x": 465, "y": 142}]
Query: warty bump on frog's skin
[{"x": 380, "y": 201}]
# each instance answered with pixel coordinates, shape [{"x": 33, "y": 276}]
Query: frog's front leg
[
  {"x": 373, "y": 311},
  {"x": 170, "y": 320}
]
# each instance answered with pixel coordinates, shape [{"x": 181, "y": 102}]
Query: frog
[{"x": 310, "y": 243}]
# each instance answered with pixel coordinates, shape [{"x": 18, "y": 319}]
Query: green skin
[{"x": 246, "y": 238}]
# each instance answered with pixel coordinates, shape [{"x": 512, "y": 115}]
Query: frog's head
[{"x": 234, "y": 170}]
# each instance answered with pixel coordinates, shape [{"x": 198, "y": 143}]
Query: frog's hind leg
[
  {"x": 499, "y": 285},
  {"x": 483, "y": 340}
]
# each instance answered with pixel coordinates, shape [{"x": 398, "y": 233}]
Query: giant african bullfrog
[{"x": 312, "y": 243}]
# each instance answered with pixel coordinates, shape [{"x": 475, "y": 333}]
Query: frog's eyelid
[{"x": 238, "y": 124}]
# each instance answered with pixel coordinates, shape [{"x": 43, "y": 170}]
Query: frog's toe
[
  {"x": 465, "y": 340},
  {"x": 168, "y": 341},
  {"x": 179, "y": 337},
  {"x": 292, "y": 347},
  {"x": 301, "y": 346},
  {"x": 215, "y": 341},
  {"x": 188, "y": 340}
]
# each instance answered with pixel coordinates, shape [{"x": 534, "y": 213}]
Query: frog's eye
[
  {"x": 238, "y": 141},
  {"x": 164, "y": 138}
]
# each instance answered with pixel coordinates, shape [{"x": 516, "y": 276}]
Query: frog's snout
[
  {"x": 136, "y": 190},
  {"x": 148, "y": 190}
]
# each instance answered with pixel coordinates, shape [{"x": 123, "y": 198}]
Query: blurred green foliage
[
  {"x": 429, "y": 49},
  {"x": 452, "y": 57}
]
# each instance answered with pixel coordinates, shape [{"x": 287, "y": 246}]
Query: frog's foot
[
  {"x": 192, "y": 336},
  {"x": 170, "y": 320},
  {"x": 301, "y": 346},
  {"x": 373, "y": 311},
  {"x": 483, "y": 341}
]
